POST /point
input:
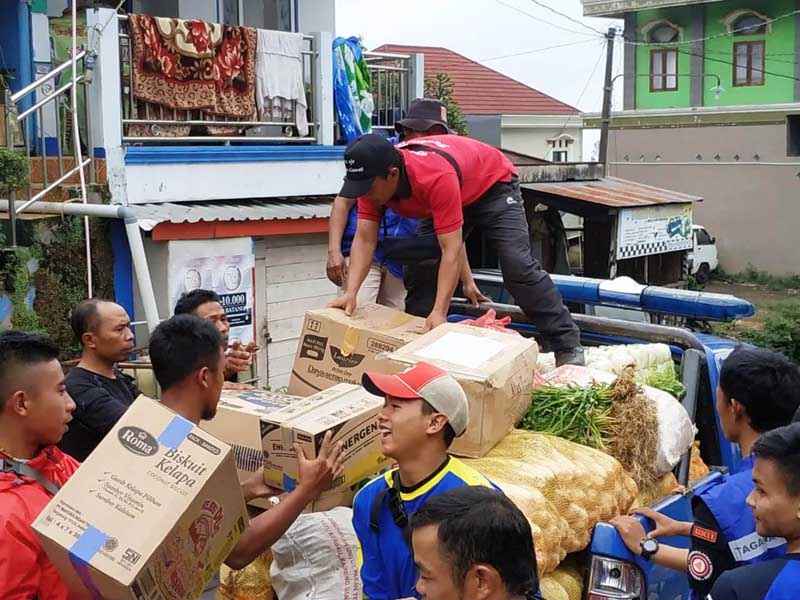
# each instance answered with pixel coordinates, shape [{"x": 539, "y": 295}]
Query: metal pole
[
  {"x": 607, "y": 89},
  {"x": 76, "y": 138},
  {"x": 142, "y": 271},
  {"x": 132, "y": 229},
  {"x": 12, "y": 217}
]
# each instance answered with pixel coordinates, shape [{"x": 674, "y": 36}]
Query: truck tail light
[{"x": 611, "y": 579}]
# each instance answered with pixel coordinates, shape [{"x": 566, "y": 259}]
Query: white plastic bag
[
  {"x": 675, "y": 429},
  {"x": 316, "y": 558}
]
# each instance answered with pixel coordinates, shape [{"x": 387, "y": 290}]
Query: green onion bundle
[{"x": 577, "y": 414}]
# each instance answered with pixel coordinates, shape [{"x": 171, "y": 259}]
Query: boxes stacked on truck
[
  {"x": 495, "y": 369},
  {"x": 335, "y": 348}
]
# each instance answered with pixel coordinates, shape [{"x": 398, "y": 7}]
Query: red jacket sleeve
[
  {"x": 22, "y": 562},
  {"x": 444, "y": 197}
]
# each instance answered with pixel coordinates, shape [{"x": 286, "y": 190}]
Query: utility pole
[{"x": 607, "y": 89}]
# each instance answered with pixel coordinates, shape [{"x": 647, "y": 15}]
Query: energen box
[
  {"x": 349, "y": 411},
  {"x": 239, "y": 424},
  {"x": 151, "y": 514},
  {"x": 335, "y": 348}
]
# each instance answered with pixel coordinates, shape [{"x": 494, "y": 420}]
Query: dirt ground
[{"x": 766, "y": 300}]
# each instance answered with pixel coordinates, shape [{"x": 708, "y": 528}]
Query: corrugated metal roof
[
  {"x": 480, "y": 90},
  {"x": 613, "y": 192},
  {"x": 151, "y": 215}
]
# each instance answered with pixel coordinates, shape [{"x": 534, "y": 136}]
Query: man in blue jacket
[
  {"x": 424, "y": 411},
  {"x": 775, "y": 501},
  {"x": 758, "y": 391}
]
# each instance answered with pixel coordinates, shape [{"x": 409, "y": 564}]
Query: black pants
[{"x": 501, "y": 216}]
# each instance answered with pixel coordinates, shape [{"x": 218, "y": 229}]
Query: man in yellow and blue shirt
[{"x": 425, "y": 410}]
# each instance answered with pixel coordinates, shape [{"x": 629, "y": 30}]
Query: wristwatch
[{"x": 649, "y": 548}]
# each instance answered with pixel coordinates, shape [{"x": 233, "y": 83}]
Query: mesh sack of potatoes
[
  {"x": 547, "y": 526},
  {"x": 585, "y": 486},
  {"x": 551, "y": 589},
  {"x": 250, "y": 583},
  {"x": 570, "y": 581},
  {"x": 565, "y": 583}
]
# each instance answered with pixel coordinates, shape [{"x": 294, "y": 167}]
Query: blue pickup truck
[{"x": 611, "y": 571}]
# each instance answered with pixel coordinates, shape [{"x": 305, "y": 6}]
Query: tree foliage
[{"x": 442, "y": 88}]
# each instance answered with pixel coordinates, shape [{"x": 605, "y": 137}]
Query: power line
[
  {"x": 724, "y": 62},
  {"x": 713, "y": 37},
  {"x": 525, "y": 52},
  {"x": 586, "y": 87},
  {"x": 540, "y": 20},
  {"x": 565, "y": 16}
]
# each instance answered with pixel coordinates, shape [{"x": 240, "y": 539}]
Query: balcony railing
[
  {"x": 144, "y": 122},
  {"x": 391, "y": 89}
]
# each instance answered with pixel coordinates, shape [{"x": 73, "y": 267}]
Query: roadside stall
[{"x": 629, "y": 228}]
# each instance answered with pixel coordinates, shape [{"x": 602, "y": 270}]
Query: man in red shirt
[
  {"x": 35, "y": 410},
  {"x": 454, "y": 183}
]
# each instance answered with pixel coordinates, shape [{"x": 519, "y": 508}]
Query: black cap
[
  {"x": 422, "y": 114},
  {"x": 365, "y": 159}
]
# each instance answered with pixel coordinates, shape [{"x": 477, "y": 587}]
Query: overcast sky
[{"x": 485, "y": 30}]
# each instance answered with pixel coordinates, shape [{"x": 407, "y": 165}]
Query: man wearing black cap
[
  {"x": 384, "y": 282},
  {"x": 458, "y": 183}
]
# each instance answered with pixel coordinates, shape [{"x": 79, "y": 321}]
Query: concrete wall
[
  {"x": 751, "y": 188},
  {"x": 228, "y": 181}
]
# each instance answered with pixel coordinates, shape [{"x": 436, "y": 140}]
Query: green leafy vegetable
[{"x": 577, "y": 414}]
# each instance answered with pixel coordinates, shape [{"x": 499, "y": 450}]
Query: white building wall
[
  {"x": 529, "y": 134},
  {"x": 292, "y": 271},
  {"x": 230, "y": 181}
]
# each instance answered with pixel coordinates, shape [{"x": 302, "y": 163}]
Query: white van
[{"x": 703, "y": 257}]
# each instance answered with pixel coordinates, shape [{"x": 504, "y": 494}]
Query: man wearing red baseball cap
[{"x": 425, "y": 410}]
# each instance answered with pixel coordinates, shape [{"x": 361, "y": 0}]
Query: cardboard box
[
  {"x": 350, "y": 412},
  {"x": 335, "y": 348},
  {"x": 495, "y": 369},
  {"x": 151, "y": 514},
  {"x": 238, "y": 423}
]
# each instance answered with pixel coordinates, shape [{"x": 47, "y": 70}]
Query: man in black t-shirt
[{"x": 102, "y": 393}]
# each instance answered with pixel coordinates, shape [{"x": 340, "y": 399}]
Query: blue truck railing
[{"x": 626, "y": 293}]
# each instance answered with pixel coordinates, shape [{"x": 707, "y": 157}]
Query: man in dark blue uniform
[
  {"x": 775, "y": 501},
  {"x": 758, "y": 391}
]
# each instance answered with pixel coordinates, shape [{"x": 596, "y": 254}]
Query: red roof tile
[{"x": 480, "y": 90}]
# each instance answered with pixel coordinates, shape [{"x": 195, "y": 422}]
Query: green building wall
[{"x": 780, "y": 46}]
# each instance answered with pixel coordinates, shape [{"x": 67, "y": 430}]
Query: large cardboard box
[
  {"x": 495, "y": 369},
  {"x": 335, "y": 348},
  {"x": 239, "y": 424},
  {"x": 151, "y": 514},
  {"x": 350, "y": 412}
]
